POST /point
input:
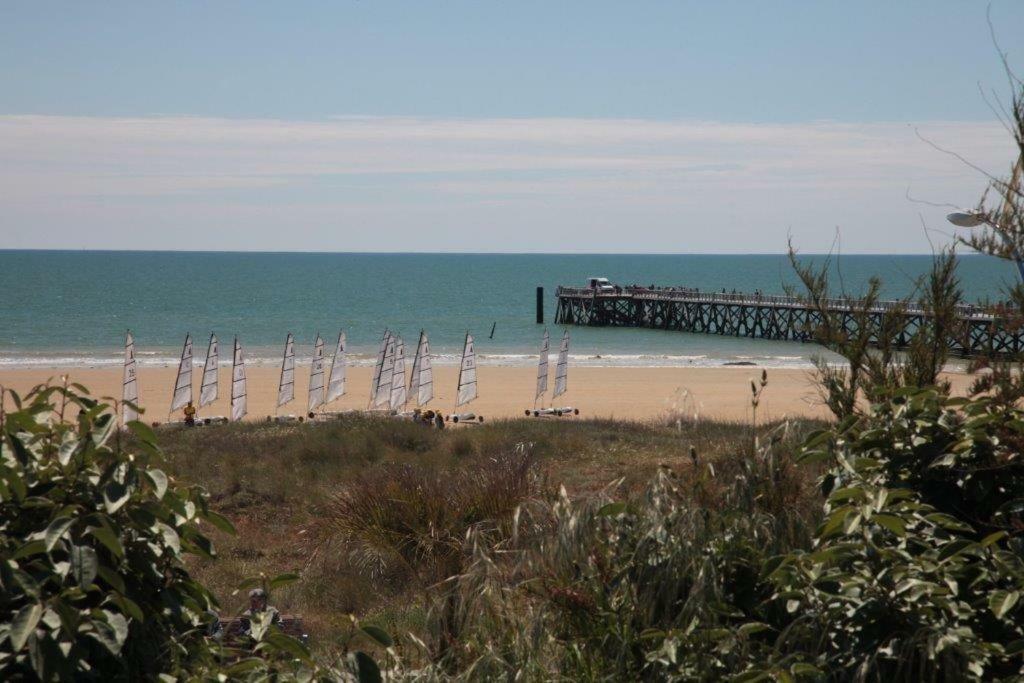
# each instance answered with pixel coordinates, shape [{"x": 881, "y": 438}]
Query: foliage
[
  {"x": 963, "y": 457},
  {"x": 278, "y": 482},
  {"x": 849, "y": 334},
  {"x": 649, "y": 589},
  {"x": 414, "y": 519},
  {"x": 866, "y": 336},
  {"x": 93, "y": 546},
  {"x": 410, "y": 523},
  {"x": 1000, "y": 211},
  {"x": 94, "y": 538},
  {"x": 915, "y": 571},
  {"x": 898, "y": 585}
]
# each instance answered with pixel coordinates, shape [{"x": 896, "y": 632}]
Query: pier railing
[{"x": 754, "y": 299}]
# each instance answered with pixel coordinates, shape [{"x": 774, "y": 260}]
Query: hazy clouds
[{"x": 544, "y": 184}]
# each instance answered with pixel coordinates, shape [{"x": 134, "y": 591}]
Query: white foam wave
[{"x": 158, "y": 359}]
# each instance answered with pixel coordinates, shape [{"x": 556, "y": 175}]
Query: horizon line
[{"x": 476, "y": 253}]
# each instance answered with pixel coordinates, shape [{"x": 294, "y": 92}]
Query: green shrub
[
  {"x": 899, "y": 585},
  {"x": 93, "y": 545},
  {"x": 963, "y": 457}
]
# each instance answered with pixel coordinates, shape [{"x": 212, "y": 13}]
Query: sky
[{"x": 641, "y": 127}]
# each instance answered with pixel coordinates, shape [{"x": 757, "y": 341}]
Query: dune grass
[{"x": 311, "y": 497}]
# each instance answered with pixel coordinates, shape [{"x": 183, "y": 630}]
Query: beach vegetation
[
  {"x": 866, "y": 336},
  {"x": 96, "y": 542},
  {"x": 999, "y": 213}
]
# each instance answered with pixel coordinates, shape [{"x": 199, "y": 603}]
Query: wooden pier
[{"x": 758, "y": 316}]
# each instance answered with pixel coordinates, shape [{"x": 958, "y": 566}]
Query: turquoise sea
[{"x": 62, "y": 308}]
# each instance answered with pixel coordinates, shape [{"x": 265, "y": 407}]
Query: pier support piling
[{"x": 781, "y": 318}]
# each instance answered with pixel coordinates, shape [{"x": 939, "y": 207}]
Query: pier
[{"x": 784, "y": 318}]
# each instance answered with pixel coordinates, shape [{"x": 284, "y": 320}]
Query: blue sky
[{"x": 486, "y": 126}]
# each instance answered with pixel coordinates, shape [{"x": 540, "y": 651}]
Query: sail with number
[
  {"x": 382, "y": 393},
  {"x": 130, "y": 383},
  {"x": 316, "y": 375},
  {"x": 336, "y": 379},
  {"x": 183, "y": 383},
  {"x": 542, "y": 365},
  {"x": 208, "y": 389},
  {"x": 562, "y": 368},
  {"x": 379, "y": 365},
  {"x": 467, "y": 373},
  {"x": 238, "y": 402},
  {"x": 286, "y": 388},
  {"x": 399, "y": 395},
  {"x": 421, "y": 386}
]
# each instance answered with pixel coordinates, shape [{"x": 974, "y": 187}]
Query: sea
[{"x": 72, "y": 308}]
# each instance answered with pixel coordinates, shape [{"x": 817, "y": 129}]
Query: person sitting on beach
[
  {"x": 190, "y": 414},
  {"x": 258, "y": 606}
]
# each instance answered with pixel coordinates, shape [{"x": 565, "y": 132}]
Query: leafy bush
[
  {"x": 93, "y": 545},
  {"x": 899, "y": 585},
  {"x": 963, "y": 457}
]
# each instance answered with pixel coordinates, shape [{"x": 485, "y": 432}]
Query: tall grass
[
  {"x": 411, "y": 520},
  {"x": 651, "y": 587},
  {"x": 287, "y": 488}
]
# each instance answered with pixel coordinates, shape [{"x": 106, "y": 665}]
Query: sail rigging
[
  {"x": 421, "y": 386},
  {"x": 382, "y": 392},
  {"x": 316, "y": 375},
  {"x": 562, "y": 368},
  {"x": 467, "y": 373},
  {"x": 238, "y": 402},
  {"x": 542, "y": 366},
  {"x": 336, "y": 379},
  {"x": 286, "y": 388},
  {"x": 130, "y": 383},
  {"x": 398, "y": 390},
  {"x": 208, "y": 388},
  {"x": 183, "y": 382}
]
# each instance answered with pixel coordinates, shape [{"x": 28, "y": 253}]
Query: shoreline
[
  {"x": 263, "y": 357},
  {"x": 626, "y": 393}
]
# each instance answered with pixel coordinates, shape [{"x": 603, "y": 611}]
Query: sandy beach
[{"x": 615, "y": 392}]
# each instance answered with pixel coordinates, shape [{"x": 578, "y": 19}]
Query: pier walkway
[{"x": 984, "y": 331}]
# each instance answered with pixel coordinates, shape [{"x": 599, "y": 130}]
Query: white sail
[
  {"x": 467, "y": 373},
  {"x": 336, "y": 380},
  {"x": 562, "y": 368},
  {"x": 208, "y": 389},
  {"x": 130, "y": 384},
  {"x": 422, "y": 384},
  {"x": 378, "y": 366},
  {"x": 542, "y": 366},
  {"x": 238, "y": 403},
  {"x": 382, "y": 393},
  {"x": 398, "y": 391},
  {"x": 183, "y": 383},
  {"x": 286, "y": 388},
  {"x": 316, "y": 375}
]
